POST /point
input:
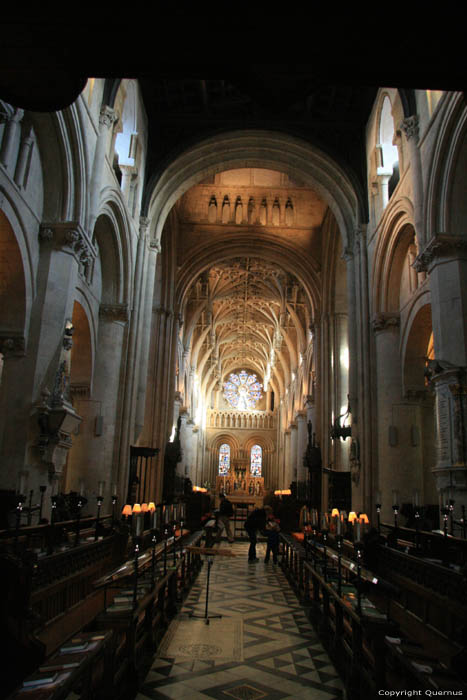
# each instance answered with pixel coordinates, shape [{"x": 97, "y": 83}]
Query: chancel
[{"x": 252, "y": 286}]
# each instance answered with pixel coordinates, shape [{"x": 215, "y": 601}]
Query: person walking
[
  {"x": 223, "y": 518},
  {"x": 254, "y": 522}
]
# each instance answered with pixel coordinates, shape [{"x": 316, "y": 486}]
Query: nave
[{"x": 283, "y": 656}]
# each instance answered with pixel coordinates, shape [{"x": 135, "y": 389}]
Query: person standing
[
  {"x": 223, "y": 518},
  {"x": 272, "y": 533},
  {"x": 254, "y": 522}
]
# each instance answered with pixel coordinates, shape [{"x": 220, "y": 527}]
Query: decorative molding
[
  {"x": 441, "y": 245},
  {"x": 114, "y": 312},
  {"x": 155, "y": 245},
  {"x": 70, "y": 237},
  {"x": 409, "y": 126},
  {"x": 384, "y": 321}
]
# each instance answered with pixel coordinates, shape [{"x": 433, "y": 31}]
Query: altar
[{"x": 240, "y": 487}]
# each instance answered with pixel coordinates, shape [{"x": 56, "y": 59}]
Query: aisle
[{"x": 283, "y": 657}]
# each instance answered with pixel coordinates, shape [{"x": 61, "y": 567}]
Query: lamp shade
[
  {"x": 352, "y": 516},
  {"x": 335, "y": 513},
  {"x": 144, "y": 507},
  {"x": 136, "y": 508},
  {"x": 151, "y": 507},
  {"x": 364, "y": 518},
  {"x": 126, "y": 511}
]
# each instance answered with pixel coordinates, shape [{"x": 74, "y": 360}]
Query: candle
[
  {"x": 416, "y": 498},
  {"x": 395, "y": 497},
  {"x": 378, "y": 497},
  {"x": 357, "y": 531},
  {"x": 339, "y": 526},
  {"x": 139, "y": 525},
  {"x": 114, "y": 489},
  {"x": 101, "y": 488},
  {"x": 81, "y": 487}
]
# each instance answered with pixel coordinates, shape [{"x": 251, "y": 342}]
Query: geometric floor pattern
[{"x": 283, "y": 657}]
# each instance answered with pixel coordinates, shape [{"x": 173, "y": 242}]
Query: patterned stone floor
[{"x": 283, "y": 658}]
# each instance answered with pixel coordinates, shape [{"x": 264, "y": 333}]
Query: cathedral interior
[{"x": 249, "y": 282}]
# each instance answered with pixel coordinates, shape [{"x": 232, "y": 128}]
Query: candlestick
[
  {"x": 99, "y": 504},
  {"x": 135, "y": 582},
  {"x": 42, "y": 489}
]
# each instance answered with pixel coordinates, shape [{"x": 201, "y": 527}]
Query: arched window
[
  {"x": 224, "y": 459},
  {"x": 388, "y": 166},
  {"x": 256, "y": 460}
]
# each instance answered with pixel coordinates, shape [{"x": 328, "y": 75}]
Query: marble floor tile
[{"x": 283, "y": 657}]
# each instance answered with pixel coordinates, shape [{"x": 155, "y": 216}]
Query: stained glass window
[
  {"x": 224, "y": 460},
  {"x": 243, "y": 391},
  {"x": 256, "y": 460}
]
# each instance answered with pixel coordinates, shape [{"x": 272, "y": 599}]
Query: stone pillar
[
  {"x": 107, "y": 118},
  {"x": 293, "y": 451},
  {"x": 288, "y": 474},
  {"x": 302, "y": 435},
  {"x": 445, "y": 260},
  {"x": 98, "y": 445},
  {"x": 132, "y": 369},
  {"x": 392, "y": 467},
  {"x": 23, "y": 160},
  {"x": 410, "y": 128},
  {"x": 144, "y": 335},
  {"x": 11, "y": 139}
]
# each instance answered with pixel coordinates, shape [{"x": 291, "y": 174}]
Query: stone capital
[
  {"x": 442, "y": 245},
  {"x": 300, "y": 416},
  {"x": 12, "y": 345},
  {"x": 114, "y": 312},
  {"x": 155, "y": 245},
  {"x": 70, "y": 237},
  {"x": 385, "y": 321},
  {"x": 143, "y": 224},
  {"x": 107, "y": 116},
  {"x": 409, "y": 126}
]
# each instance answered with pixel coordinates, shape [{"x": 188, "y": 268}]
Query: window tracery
[
  {"x": 224, "y": 459},
  {"x": 242, "y": 391},
  {"x": 256, "y": 460}
]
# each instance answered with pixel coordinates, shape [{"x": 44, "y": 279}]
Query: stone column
[
  {"x": 11, "y": 139},
  {"x": 107, "y": 118},
  {"x": 98, "y": 447},
  {"x": 392, "y": 467},
  {"x": 144, "y": 335},
  {"x": 293, "y": 451},
  {"x": 410, "y": 128},
  {"x": 23, "y": 159},
  {"x": 302, "y": 434},
  {"x": 445, "y": 260}
]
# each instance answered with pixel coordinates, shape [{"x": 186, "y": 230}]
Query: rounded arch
[
  {"x": 214, "y": 443},
  {"x": 396, "y": 236},
  {"x": 18, "y": 280},
  {"x": 416, "y": 340},
  {"x": 265, "y": 149},
  {"x": 82, "y": 351},
  {"x": 112, "y": 234},
  {"x": 446, "y": 207}
]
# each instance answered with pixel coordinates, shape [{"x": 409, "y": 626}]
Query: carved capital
[
  {"x": 114, "y": 312},
  {"x": 12, "y": 346},
  {"x": 384, "y": 321},
  {"x": 70, "y": 237},
  {"x": 155, "y": 245},
  {"x": 107, "y": 116},
  {"x": 441, "y": 246},
  {"x": 409, "y": 126},
  {"x": 143, "y": 224},
  {"x": 46, "y": 234}
]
